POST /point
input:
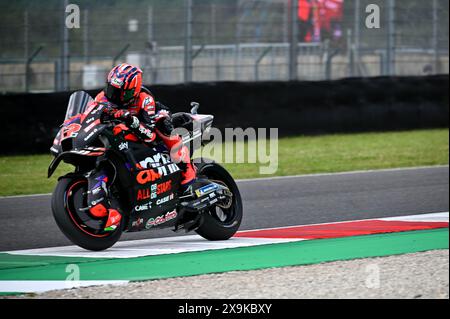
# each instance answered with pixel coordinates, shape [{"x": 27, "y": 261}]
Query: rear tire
[
  {"x": 62, "y": 199},
  {"x": 212, "y": 227}
]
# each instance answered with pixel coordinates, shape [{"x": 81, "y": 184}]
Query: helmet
[{"x": 123, "y": 84}]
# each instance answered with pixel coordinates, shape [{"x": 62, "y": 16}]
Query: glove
[
  {"x": 160, "y": 106},
  {"x": 123, "y": 115},
  {"x": 127, "y": 118}
]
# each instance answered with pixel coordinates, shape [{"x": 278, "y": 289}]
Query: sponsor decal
[
  {"x": 70, "y": 131},
  {"x": 123, "y": 146},
  {"x": 53, "y": 149},
  {"x": 155, "y": 161},
  {"x": 153, "y": 194},
  {"x": 87, "y": 129},
  {"x": 116, "y": 82},
  {"x": 140, "y": 208},
  {"x": 165, "y": 199},
  {"x": 90, "y": 120},
  {"x": 154, "y": 190},
  {"x": 143, "y": 194},
  {"x": 138, "y": 222},
  {"x": 98, "y": 109},
  {"x": 164, "y": 187},
  {"x": 206, "y": 189},
  {"x": 165, "y": 170},
  {"x": 146, "y": 132},
  {"x": 149, "y": 105},
  {"x": 147, "y": 176},
  {"x": 148, "y": 101},
  {"x": 90, "y": 135},
  {"x": 96, "y": 190},
  {"x": 152, "y": 222}
]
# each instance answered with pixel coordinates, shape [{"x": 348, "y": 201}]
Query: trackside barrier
[{"x": 30, "y": 121}]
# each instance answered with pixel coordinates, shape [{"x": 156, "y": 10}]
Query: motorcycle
[{"x": 142, "y": 180}]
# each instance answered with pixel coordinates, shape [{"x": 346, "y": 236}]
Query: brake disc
[{"x": 226, "y": 203}]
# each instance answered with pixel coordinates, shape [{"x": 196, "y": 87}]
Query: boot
[
  {"x": 114, "y": 219},
  {"x": 188, "y": 177}
]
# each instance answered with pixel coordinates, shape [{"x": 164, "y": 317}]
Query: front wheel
[
  {"x": 220, "y": 223},
  {"x": 68, "y": 200}
]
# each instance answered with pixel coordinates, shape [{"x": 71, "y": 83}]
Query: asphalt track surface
[{"x": 27, "y": 222}]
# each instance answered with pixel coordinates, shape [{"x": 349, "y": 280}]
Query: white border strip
[
  {"x": 153, "y": 247},
  {"x": 37, "y": 286}
]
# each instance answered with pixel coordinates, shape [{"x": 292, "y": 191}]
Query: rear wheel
[
  {"x": 68, "y": 200},
  {"x": 220, "y": 223}
]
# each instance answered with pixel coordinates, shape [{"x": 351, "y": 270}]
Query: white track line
[
  {"x": 434, "y": 217},
  {"x": 36, "y": 286},
  {"x": 24, "y": 196},
  {"x": 345, "y": 173},
  {"x": 290, "y": 177}
]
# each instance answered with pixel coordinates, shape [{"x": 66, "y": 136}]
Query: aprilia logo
[
  {"x": 161, "y": 162},
  {"x": 155, "y": 161}
]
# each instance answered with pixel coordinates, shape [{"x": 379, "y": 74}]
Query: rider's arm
[
  {"x": 158, "y": 116},
  {"x": 143, "y": 130},
  {"x": 150, "y": 116}
]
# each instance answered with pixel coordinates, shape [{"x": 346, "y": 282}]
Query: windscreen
[{"x": 77, "y": 103}]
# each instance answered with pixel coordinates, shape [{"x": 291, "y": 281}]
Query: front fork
[
  {"x": 98, "y": 200},
  {"x": 97, "y": 188}
]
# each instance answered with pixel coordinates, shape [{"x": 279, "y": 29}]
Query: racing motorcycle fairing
[
  {"x": 143, "y": 182},
  {"x": 79, "y": 131}
]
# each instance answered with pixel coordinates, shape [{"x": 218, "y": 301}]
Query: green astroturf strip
[
  {"x": 245, "y": 258},
  {"x": 296, "y": 155},
  {"x": 11, "y": 293}
]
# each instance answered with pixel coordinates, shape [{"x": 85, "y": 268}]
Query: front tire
[
  {"x": 225, "y": 225},
  {"x": 67, "y": 197}
]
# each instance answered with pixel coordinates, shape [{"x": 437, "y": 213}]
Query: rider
[{"x": 143, "y": 116}]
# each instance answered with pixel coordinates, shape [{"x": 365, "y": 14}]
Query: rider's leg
[
  {"x": 99, "y": 206},
  {"x": 178, "y": 152}
]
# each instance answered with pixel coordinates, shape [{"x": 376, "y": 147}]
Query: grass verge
[{"x": 296, "y": 155}]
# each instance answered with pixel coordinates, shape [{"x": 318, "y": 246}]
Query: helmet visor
[
  {"x": 113, "y": 94},
  {"x": 118, "y": 96}
]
